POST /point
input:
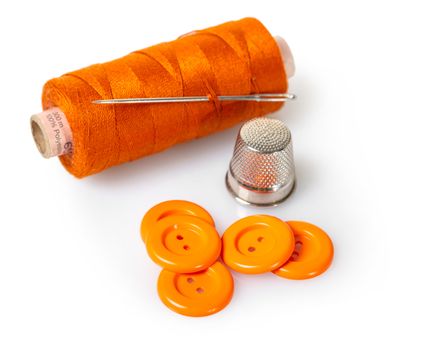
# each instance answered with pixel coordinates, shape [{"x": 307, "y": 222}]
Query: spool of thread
[{"x": 234, "y": 58}]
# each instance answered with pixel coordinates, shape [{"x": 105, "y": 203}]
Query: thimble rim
[{"x": 260, "y": 197}]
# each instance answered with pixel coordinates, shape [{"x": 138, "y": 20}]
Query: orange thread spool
[{"x": 235, "y": 58}]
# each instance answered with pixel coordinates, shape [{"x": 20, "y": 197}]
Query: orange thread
[{"x": 234, "y": 58}]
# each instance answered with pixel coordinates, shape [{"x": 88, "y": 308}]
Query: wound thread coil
[{"x": 235, "y": 58}]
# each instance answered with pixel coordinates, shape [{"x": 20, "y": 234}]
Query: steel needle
[{"x": 274, "y": 97}]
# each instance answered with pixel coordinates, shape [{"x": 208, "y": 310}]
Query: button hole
[
  {"x": 260, "y": 239},
  {"x": 294, "y": 256},
  {"x": 190, "y": 280},
  {"x": 298, "y": 246},
  {"x": 186, "y": 247},
  {"x": 251, "y": 249},
  {"x": 200, "y": 290},
  {"x": 179, "y": 237}
]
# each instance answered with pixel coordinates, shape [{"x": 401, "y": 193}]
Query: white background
[{"x": 74, "y": 273}]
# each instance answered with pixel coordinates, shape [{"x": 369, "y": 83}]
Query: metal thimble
[{"x": 262, "y": 170}]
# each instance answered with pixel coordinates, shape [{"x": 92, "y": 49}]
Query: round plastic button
[
  {"x": 196, "y": 294},
  {"x": 257, "y": 244},
  {"x": 183, "y": 243},
  {"x": 168, "y": 208},
  {"x": 313, "y": 253}
]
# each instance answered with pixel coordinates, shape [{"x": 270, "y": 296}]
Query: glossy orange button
[
  {"x": 183, "y": 243},
  {"x": 257, "y": 244},
  {"x": 168, "y": 208},
  {"x": 313, "y": 253},
  {"x": 196, "y": 294}
]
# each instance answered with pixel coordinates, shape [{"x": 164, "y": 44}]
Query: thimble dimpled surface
[{"x": 262, "y": 170}]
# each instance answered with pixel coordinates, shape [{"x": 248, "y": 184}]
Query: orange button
[
  {"x": 257, "y": 244},
  {"x": 168, "y": 208},
  {"x": 196, "y": 294},
  {"x": 183, "y": 243},
  {"x": 313, "y": 253}
]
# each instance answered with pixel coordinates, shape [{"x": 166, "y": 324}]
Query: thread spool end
[
  {"x": 51, "y": 133},
  {"x": 287, "y": 57},
  {"x": 39, "y": 137}
]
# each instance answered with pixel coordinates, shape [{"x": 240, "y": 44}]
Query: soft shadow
[{"x": 181, "y": 155}]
